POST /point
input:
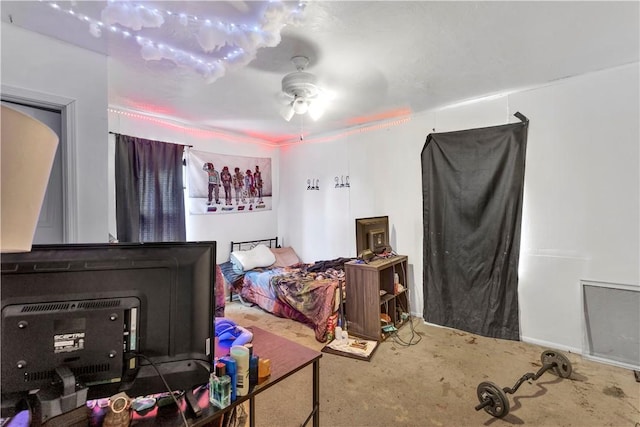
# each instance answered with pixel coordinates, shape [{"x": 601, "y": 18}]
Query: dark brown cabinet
[{"x": 372, "y": 294}]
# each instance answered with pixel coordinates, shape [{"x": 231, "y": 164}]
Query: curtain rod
[
  {"x": 521, "y": 116},
  {"x": 184, "y": 145}
]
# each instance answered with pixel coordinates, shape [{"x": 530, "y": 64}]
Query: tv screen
[
  {"x": 372, "y": 234},
  {"x": 96, "y": 309},
  {"x": 377, "y": 240}
]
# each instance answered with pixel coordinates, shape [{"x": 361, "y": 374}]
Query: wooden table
[{"x": 287, "y": 358}]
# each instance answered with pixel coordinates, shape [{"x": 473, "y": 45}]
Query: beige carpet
[{"x": 434, "y": 383}]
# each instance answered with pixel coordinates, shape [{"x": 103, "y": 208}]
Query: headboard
[{"x": 243, "y": 246}]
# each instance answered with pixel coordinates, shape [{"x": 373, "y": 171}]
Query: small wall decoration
[
  {"x": 342, "y": 182},
  {"x": 313, "y": 184},
  {"x": 220, "y": 184}
]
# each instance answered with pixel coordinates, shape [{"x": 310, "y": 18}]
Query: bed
[
  {"x": 278, "y": 282},
  {"x": 220, "y": 287}
]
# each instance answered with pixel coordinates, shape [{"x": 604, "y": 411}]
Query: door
[{"x": 50, "y": 228}]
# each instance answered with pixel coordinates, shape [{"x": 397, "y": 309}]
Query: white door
[{"x": 50, "y": 227}]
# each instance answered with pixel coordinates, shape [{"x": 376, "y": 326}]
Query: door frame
[{"x": 68, "y": 146}]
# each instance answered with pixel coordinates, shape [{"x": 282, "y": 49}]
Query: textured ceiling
[{"x": 382, "y": 59}]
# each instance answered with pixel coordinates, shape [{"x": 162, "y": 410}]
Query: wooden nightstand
[{"x": 371, "y": 292}]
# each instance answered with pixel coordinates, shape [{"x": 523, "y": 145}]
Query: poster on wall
[{"x": 222, "y": 184}]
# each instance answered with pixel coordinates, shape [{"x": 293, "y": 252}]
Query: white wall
[
  {"x": 221, "y": 228},
  {"x": 581, "y": 204},
  {"x": 385, "y": 179},
  {"x": 47, "y": 66}
]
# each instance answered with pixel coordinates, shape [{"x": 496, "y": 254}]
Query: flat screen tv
[
  {"x": 102, "y": 313},
  {"x": 372, "y": 234}
]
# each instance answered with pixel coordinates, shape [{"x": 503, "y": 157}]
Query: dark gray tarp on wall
[{"x": 472, "y": 185}]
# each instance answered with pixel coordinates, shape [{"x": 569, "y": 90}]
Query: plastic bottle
[
  {"x": 231, "y": 369},
  {"x": 264, "y": 369},
  {"x": 241, "y": 355},
  {"x": 253, "y": 366},
  {"x": 250, "y": 347},
  {"x": 253, "y": 370}
]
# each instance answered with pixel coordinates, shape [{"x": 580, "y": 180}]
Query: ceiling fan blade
[
  {"x": 284, "y": 99},
  {"x": 287, "y": 111},
  {"x": 316, "y": 110}
]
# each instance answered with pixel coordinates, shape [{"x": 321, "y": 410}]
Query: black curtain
[
  {"x": 149, "y": 190},
  {"x": 472, "y": 206}
]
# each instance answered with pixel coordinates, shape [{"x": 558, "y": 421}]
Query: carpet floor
[{"x": 434, "y": 382}]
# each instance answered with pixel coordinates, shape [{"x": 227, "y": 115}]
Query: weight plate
[
  {"x": 499, "y": 406},
  {"x": 563, "y": 367}
]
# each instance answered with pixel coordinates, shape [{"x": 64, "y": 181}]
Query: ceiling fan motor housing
[{"x": 300, "y": 84}]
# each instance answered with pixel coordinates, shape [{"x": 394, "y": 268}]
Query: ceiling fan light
[{"x": 300, "y": 106}]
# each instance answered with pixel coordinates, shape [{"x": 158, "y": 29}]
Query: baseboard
[
  {"x": 435, "y": 325},
  {"x": 612, "y": 362},
  {"x": 541, "y": 343},
  {"x": 551, "y": 345}
]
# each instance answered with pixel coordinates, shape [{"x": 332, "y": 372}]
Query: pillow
[
  {"x": 260, "y": 256},
  {"x": 285, "y": 257},
  {"x": 232, "y": 274}
]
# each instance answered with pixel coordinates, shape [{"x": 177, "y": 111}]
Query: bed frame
[{"x": 250, "y": 244}]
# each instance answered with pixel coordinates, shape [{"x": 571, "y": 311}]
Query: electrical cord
[
  {"x": 237, "y": 417},
  {"x": 164, "y": 381},
  {"x": 394, "y": 335},
  {"x": 400, "y": 341}
]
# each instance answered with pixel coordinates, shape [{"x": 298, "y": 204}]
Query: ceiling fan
[{"x": 301, "y": 92}]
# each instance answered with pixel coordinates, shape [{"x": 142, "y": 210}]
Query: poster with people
[{"x": 221, "y": 184}]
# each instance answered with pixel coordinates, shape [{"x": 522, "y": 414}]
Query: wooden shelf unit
[{"x": 364, "y": 304}]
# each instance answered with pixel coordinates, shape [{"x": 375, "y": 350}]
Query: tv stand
[
  {"x": 68, "y": 408},
  {"x": 372, "y": 294}
]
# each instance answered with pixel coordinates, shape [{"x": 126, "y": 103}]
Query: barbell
[{"x": 493, "y": 398}]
